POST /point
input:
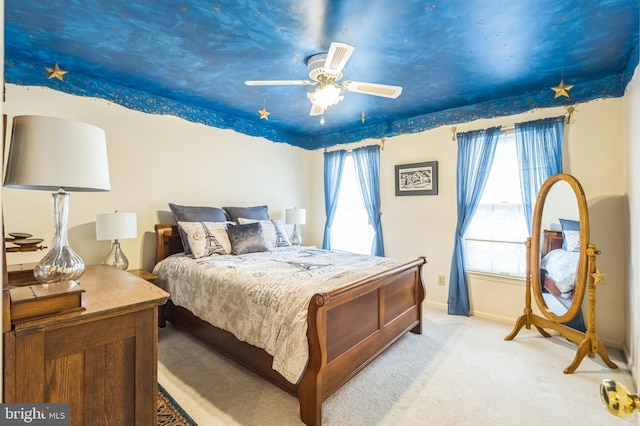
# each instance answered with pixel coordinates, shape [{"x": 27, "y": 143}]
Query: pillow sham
[
  {"x": 571, "y": 240},
  {"x": 256, "y": 212},
  {"x": 274, "y": 231},
  {"x": 570, "y": 234},
  {"x": 247, "y": 238},
  {"x": 195, "y": 214},
  {"x": 207, "y": 238}
]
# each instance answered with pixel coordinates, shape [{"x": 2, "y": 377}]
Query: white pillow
[
  {"x": 207, "y": 238},
  {"x": 274, "y": 231},
  {"x": 572, "y": 240}
]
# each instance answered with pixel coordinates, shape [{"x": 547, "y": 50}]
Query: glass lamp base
[
  {"x": 116, "y": 257},
  {"x": 295, "y": 238},
  {"x": 60, "y": 263}
]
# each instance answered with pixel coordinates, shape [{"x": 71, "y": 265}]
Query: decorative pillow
[
  {"x": 274, "y": 231},
  {"x": 195, "y": 214},
  {"x": 257, "y": 213},
  {"x": 248, "y": 238},
  {"x": 570, "y": 234},
  {"x": 207, "y": 238}
]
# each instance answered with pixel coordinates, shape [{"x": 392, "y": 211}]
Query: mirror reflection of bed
[{"x": 558, "y": 269}]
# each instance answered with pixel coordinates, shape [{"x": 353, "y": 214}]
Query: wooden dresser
[{"x": 101, "y": 361}]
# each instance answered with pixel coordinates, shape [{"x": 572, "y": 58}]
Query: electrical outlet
[{"x": 441, "y": 280}]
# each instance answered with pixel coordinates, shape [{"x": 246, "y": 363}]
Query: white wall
[
  {"x": 153, "y": 160},
  {"x": 424, "y": 225},
  {"x": 2, "y": 221},
  {"x": 632, "y": 204}
]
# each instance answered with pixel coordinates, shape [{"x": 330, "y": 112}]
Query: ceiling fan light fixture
[
  {"x": 325, "y": 70},
  {"x": 325, "y": 96}
]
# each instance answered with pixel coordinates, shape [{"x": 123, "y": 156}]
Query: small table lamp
[
  {"x": 116, "y": 226},
  {"x": 55, "y": 154},
  {"x": 295, "y": 217}
]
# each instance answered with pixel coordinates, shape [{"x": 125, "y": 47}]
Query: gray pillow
[
  {"x": 195, "y": 214},
  {"x": 273, "y": 230},
  {"x": 257, "y": 213},
  {"x": 247, "y": 238}
]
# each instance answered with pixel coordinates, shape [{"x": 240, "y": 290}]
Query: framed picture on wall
[{"x": 417, "y": 179}]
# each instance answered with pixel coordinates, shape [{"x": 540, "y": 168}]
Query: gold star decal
[
  {"x": 598, "y": 277},
  {"x": 56, "y": 72},
  {"x": 264, "y": 113},
  {"x": 562, "y": 89}
]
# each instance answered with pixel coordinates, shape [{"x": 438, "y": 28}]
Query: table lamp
[
  {"x": 295, "y": 217},
  {"x": 55, "y": 154},
  {"x": 116, "y": 226}
]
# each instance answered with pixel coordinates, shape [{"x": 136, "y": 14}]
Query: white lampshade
[
  {"x": 116, "y": 226},
  {"x": 49, "y": 153},
  {"x": 295, "y": 216}
]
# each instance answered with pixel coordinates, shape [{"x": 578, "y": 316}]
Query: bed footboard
[{"x": 349, "y": 327}]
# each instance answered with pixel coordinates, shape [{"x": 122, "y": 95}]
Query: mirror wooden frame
[
  {"x": 587, "y": 277},
  {"x": 535, "y": 255}
]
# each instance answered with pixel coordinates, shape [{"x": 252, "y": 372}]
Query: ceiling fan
[{"x": 325, "y": 70}]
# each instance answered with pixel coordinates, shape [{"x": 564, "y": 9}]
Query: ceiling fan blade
[
  {"x": 316, "y": 110},
  {"x": 337, "y": 57},
  {"x": 278, "y": 82},
  {"x": 383, "y": 90}
]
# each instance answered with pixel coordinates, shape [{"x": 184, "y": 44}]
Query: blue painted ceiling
[{"x": 457, "y": 60}]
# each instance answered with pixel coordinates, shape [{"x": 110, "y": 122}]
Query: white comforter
[
  {"x": 562, "y": 266},
  {"x": 262, "y": 298}
]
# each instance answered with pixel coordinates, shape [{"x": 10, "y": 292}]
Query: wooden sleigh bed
[{"x": 347, "y": 328}]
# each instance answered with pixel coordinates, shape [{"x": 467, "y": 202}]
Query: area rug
[{"x": 169, "y": 411}]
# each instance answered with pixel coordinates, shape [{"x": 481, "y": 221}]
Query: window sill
[{"x": 500, "y": 278}]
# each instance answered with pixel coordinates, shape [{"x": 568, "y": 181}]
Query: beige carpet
[{"x": 460, "y": 371}]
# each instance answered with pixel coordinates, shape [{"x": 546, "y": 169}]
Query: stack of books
[{"x": 44, "y": 300}]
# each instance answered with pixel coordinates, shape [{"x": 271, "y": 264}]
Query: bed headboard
[
  {"x": 168, "y": 241},
  {"x": 552, "y": 240}
]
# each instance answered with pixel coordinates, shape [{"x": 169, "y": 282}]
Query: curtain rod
[
  {"x": 351, "y": 150},
  {"x": 512, "y": 128}
]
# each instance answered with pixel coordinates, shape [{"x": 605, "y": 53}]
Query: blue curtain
[
  {"x": 333, "y": 166},
  {"x": 367, "y": 162},
  {"x": 539, "y": 147},
  {"x": 475, "y": 155}
]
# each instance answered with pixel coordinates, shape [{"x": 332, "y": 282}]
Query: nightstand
[
  {"x": 145, "y": 275},
  {"x": 101, "y": 361}
]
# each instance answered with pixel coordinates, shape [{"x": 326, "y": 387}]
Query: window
[
  {"x": 494, "y": 241},
  {"x": 351, "y": 230}
]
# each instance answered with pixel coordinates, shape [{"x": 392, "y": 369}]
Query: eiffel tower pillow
[
  {"x": 195, "y": 214},
  {"x": 207, "y": 238}
]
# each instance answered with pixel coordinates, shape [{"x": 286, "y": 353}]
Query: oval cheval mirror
[
  {"x": 561, "y": 268},
  {"x": 558, "y": 269}
]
